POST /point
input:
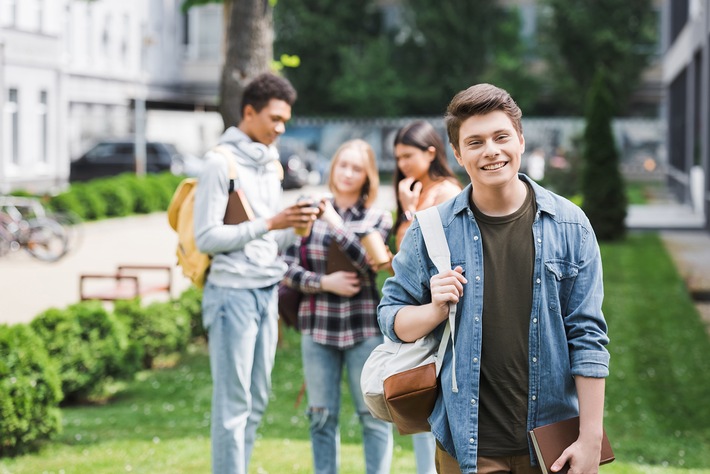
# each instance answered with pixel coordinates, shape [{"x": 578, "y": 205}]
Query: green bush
[
  {"x": 118, "y": 199},
  {"x": 161, "y": 328},
  {"x": 116, "y": 196},
  {"x": 30, "y": 391},
  {"x": 90, "y": 346},
  {"x": 190, "y": 301},
  {"x": 146, "y": 198},
  {"x": 93, "y": 204},
  {"x": 164, "y": 185},
  {"x": 68, "y": 202}
]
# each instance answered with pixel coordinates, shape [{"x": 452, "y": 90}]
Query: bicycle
[{"x": 42, "y": 237}]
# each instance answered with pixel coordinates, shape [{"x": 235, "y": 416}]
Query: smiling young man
[
  {"x": 239, "y": 302},
  {"x": 530, "y": 333}
]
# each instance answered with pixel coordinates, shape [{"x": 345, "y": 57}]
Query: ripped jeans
[{"x": 323, "y": 368}]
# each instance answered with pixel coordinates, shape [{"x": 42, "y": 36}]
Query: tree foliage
[
  {"x": 448, "y": 46},
  {"x": 372, "y": 58},
  {"x": 602, "y": 183},
  {"x": 583, "y": 36},
  {"x": 509, "y": 68},
  {"x": 356, "y": 62},
  {"x": 330, "y": 37}
]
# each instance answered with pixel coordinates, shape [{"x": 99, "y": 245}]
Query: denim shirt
[{"x": 567, "y": 335}]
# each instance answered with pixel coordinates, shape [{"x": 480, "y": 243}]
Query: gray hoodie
[{"x": 244, "y": 255}]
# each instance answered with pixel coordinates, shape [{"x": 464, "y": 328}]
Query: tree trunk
[{"x": 249, "y": 35}]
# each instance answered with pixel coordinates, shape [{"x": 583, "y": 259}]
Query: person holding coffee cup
[{"x": 337, "y": 316}]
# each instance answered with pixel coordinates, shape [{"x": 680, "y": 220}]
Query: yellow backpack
[{"x": 194, "y": 263}]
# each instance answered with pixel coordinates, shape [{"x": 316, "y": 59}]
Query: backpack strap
[
  {"x": 229, "y": 156},
  {"x": 439, "y": 253}
]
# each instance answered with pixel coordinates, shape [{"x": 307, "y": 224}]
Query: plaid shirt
[{"x": 328, "y": 318}]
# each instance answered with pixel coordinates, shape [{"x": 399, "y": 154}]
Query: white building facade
[
  {"x": 686, "y": 75},
  {"x": 31, "y": 92},
  {"x": 72, "y": 70}
]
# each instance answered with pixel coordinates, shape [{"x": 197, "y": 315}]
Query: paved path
[
  {"x": 28, "y": 287},
  {"x": 690, "y": 250}
]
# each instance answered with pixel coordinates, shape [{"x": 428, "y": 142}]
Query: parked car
[
  {"x": 111, "y": 157},
  {"x": 301, "y": 165}
]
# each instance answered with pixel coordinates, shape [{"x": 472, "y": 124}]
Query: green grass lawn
[{"x": 658, "y": 416}]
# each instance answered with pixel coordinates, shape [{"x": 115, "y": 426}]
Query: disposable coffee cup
[
  {"x": 305, "y": 230},
  {"x": 375, "y": 247}
]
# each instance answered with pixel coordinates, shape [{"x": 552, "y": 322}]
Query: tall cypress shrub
[{"x": 602, "y": 183}]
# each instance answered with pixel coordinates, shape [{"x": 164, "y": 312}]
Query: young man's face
[
  {"x": 490, "y": 150},
  {"x": 266, "y": 125}
]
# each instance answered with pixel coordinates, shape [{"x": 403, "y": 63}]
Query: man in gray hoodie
[{"x": 239, "y": 302}]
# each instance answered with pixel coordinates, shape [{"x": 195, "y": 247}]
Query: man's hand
[
  {"x": 341, "y": 283},
  {"x": 413, "y": 322},
  {"x": 582, "y": 456},
  {"x": 446, "y": 287},
  {"x": 297, "y": 215}
]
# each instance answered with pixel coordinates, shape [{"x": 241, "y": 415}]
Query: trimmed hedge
[
  {"x": 117, "y": 196},
  {"x": 191, "y": 302},
  {"x": 89, "y": 344},
  {"x": 160, "y": 329},
  {"x": 30, "y": 390}
]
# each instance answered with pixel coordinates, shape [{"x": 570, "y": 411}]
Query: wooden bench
[{"x": 128, "y": 282}]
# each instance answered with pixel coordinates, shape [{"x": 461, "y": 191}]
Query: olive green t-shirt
[{"x": 508, "y": 255}]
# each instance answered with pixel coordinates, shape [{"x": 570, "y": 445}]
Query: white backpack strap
[{"x": 438, "y": 250}]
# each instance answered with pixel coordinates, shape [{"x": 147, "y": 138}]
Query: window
[
  {"x": 13, "y": 119},
  {"x": 203, "y": 32},
  {"x": 106, "y": 37},
  {"x": 39, "y": 15},
  {"x": 124, "y": 38},
  {"x": 89, "y": 38},
  {"x": 43, "y": 127},
  {"x": 11, "y": 11},
  {"x": 68, "y": 30}
]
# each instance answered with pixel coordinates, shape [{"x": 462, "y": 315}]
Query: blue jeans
[
  {"x": 243, "y": 332},
  {"x": 424, "y": 446},
  {"x": 323, "y": 368}
]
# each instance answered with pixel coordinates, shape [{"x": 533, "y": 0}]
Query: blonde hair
[{"x": 368, "y": 193}]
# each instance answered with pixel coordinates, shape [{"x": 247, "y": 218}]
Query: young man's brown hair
[{"x": 479, "y": 99}]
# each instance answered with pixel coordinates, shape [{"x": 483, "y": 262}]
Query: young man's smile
[{"x": 494, "y": 166}]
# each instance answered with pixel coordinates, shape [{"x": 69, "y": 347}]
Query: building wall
[
  {"x": 71, "y": 70},
  {"x": 31, "y": 95},
  {"x": 686, "y": 76}
]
